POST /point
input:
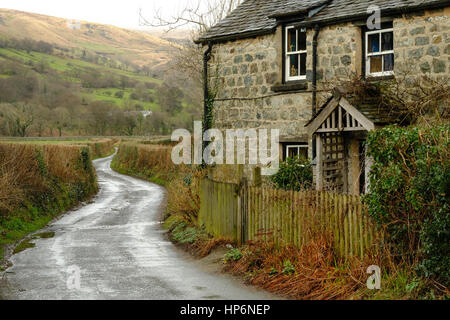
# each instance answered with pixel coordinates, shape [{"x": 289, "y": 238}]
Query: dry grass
[
  {"x": 145, "y": 158},
  {"x": 204, "y": 248},
  {"x": 184, "y": 194},
  {"x": 311, "y": 273},
  {"x": 28, "y": 171},
  {"x": 154, "y": 162},
  {"x": 100, "y": 147},
  {"x": 19, "y": 173}
]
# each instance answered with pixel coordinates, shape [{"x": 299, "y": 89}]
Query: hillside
[
  {"x": 58, "y": 81},
  {"x": 134, "y": 47}
]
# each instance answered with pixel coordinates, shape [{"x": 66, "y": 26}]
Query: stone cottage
[{"x": 273, "y": 63}]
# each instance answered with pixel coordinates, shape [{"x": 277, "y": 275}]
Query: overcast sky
[{"x": 122, "y": 13}]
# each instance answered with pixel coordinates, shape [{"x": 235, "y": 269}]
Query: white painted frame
[
  {"x": 380, "y": 53},
  {"x": 287, "y": 55},
  {"x": 296, "y": 146}
]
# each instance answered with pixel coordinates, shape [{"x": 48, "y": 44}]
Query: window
[
  {"x": 295, "y": 54},
  {"x": 292, "y": 150},
  {"x": 379, "y": 52}
]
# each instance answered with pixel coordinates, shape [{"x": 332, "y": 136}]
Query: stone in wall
[{"x": 421, "y": 43}]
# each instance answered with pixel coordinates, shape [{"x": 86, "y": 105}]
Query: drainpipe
[
  {"x": 314, "y": 71},
  {"x": 206, "y": 58},
  {"x": 314, "y": 83}
]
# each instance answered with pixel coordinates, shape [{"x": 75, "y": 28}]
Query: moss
[
  {"x": 44, "y": 235},
  {"x": 26, "y": 244}
]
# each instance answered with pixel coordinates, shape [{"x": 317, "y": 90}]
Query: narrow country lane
[{"x": 118, "y": 245}]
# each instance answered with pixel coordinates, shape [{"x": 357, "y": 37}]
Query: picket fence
[{"x": 242, "y": 212}]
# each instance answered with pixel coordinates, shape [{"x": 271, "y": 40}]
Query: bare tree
[
  {"x": 197, "y": 16},
  {"x": 19, "y": 118}
]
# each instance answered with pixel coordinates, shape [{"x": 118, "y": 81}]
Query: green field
[
  {"x": 65, "y": 64},
  {"x": 67, "y": 68}
]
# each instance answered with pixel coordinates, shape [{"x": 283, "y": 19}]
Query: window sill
[
  {"x": 290, "y": 86},
  {"x": 380, "y": 78}
]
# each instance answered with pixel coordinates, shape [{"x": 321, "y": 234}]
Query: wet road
[{"x": 118, "y": 246}]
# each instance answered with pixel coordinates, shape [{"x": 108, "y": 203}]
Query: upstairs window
[
  {"x": 379, "y": 52},
  {"x": 295, "y": 54}
]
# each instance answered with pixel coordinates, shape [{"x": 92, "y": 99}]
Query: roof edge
[
  {"x": 235, "y": 36},
  {"x": 391, "y": 11},
  {"x": 324, "y": 22}
]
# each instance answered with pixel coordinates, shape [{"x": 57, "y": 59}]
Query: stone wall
[
  {"x": 422, "y": 43},
  {"x": 245, "y": 70},
  {"x": 339, "y": 53}
]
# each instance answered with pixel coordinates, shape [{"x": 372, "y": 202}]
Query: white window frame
[
  {"x": 287, "y": 55},
  {"x": 295, "y": 146},
  {"x": 380, "y": 53}
]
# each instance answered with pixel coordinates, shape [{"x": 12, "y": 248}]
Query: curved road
[{"x": 120, "y": 249}]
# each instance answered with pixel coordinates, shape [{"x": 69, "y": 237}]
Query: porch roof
[{"x": 347, "y": 113}]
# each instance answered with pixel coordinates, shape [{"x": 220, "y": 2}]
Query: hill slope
[{"x": 135, "y": 47}]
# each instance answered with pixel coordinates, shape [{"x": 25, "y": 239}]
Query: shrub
[
  {"x": 119, "y": 94},
  {"x": 408, "y": 196},
  {"x": 233, "y": 255},
  {"x": 288, "y": 268},
  {"x": 294, "y": 174},
  {"x": 39, "y": 181}
]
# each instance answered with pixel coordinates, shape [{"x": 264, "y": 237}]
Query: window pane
[
  {"x": 303, "y": 153},
  {"x": 292, "y": 45},
  {"x": 301, "y": 40},
  {"x": 387, "y": 41},
  {"x": 292, "y": 152},
  {"x": 374, "y": 42},
  {"x": 388, "y": 62},
  {"x": 293, "y": 65},
  {"x": 303, "y": 64},
  {"x": 376, "y": 64}
]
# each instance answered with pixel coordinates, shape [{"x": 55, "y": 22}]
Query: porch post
[{"x": 319, "y": 165}]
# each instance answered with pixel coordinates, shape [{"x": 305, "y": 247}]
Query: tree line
[{"x": 39, "y": 102}]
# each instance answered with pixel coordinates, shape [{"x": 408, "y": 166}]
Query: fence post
[
  {"x": 257, "y": 180},
  {"x": 242, "y": 213}
]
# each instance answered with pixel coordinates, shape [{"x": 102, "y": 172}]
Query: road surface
[{"x": 120, "y": 250}]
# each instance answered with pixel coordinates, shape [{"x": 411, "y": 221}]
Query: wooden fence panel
[{"x": 243, "y": 213}]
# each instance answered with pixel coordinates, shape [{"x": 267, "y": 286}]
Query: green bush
[
  {"x": 408, "y": 195},
  {"x": 294, "y": 174},
  {"x": 288, "y": 268},
  {"x": 233, "y": 255}
]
